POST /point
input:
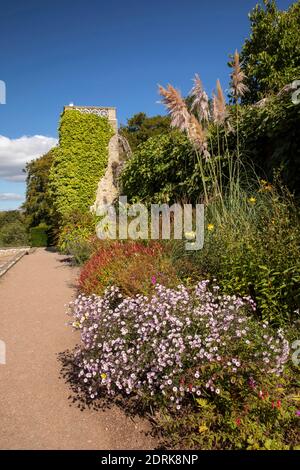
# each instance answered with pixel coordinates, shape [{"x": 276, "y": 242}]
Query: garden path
[{"x": 35, "y": 412}]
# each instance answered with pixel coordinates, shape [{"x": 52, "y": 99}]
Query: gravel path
[{"x": 35, "y": 412}]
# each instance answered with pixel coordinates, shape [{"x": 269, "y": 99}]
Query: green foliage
[
  {"x": 271, "y": 56},
  {"x": 79, "y": 161},
  {"x": 140, "y": 127},
  {"x": 7, "y": 217},
  {"x": 167, "y": 167},
  {"x": 270, "y": 139},
  {"x": 14, "y": 234},
  {"x": 38, "y": 205},
  {"x": 253, "y": 251},
  {"x": 260, "y": 417},
  {"x": 13, "y": 231},
  {"x": 77, "y": 237},
  {"x": 38, "y": 235}
]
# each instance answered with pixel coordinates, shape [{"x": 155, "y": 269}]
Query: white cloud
[
  {"x": 11, "y": 197},
  {"x": 15, "y": 153}
]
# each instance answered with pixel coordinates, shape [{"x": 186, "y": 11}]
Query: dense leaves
[
  {"x": 184, "y": 349},
  {"x": 13, "y": 230},
  {"x": 254, "y": 250},
  {"x": 79, "y": 161},
  {"x": 38, "y": 205},
  {"x": 271, "y": 56},
  {"x": 140, "y": 127},
  {"x": 163, "y": 169}
]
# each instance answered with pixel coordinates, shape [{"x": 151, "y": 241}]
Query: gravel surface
[{"x": 35, "y": 412}]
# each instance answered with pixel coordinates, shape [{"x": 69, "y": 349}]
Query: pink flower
[{"x": 153, "y": 279}]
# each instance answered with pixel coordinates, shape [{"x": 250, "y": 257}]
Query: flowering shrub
[
  {"x": 183, "y": 349},
  {"x": 153, "y": 345},
  {"x": 132, "y": 266}
]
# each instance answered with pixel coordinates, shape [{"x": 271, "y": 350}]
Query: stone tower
[{"x": 107, "y": 190}]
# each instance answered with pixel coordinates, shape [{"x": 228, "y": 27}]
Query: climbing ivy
[{"x": 80, "y": 161}]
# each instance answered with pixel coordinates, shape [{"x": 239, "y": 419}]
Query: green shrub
[
  {"x": 264, "y": 418},
  {"x": 254, "y": 250},
  {"x": 270, "y": 139},
  {"x": 214, "y": 377},
  {"x": 167, "y": 166},
  {"x": 13, "y": 234},
  {"x": 78, "y": 237},
  {"x": 38, "y": 235},
  {"x": 38, "y": 207}
]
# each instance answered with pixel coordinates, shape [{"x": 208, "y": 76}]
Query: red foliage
[{"x": 130, "y": 265}]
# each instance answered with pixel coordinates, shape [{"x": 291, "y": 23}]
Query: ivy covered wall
[{"x": 80, "y": 161}]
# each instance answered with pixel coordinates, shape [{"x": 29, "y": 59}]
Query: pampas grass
[
  {"x": 176, "y": 106},
  {"x": 200, "y": 100},
  {"x": 219, "y": 106},
  {"x": 199, "y": 130},
  {"x": 238, "y": 87}
]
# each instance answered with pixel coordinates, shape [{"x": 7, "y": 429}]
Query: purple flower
[{"x": 144, "y": 346}]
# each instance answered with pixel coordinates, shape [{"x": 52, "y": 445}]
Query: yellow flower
[
  {"x": 203, "y": 428},
  {"x": 265, "y": 186},
  {"x": 202, "y": 402},
  {"x": 103, "y": 376},
  {"x": 210, "y": 227},
  {"x": 252, "y": 200}
]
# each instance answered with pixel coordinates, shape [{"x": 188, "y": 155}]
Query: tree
[
  {"x": 12, "y": 228},
  {"x": 14, "y": 234},
  {"x": 38, "y": 206},
  {"x": 271, "y": 56},
  {"x": 140, "y": 127}
]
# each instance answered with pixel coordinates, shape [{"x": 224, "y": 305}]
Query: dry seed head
[
  {"x": 176, "y": 107},
  {"x": 219, "y": 105},
  {"x": 200, "y": 99},
  {"x": 197, "y": 136},
  {"x": 238, "y": 87}
]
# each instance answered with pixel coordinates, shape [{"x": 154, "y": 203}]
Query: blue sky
[{"x": 105, "y": 53}]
